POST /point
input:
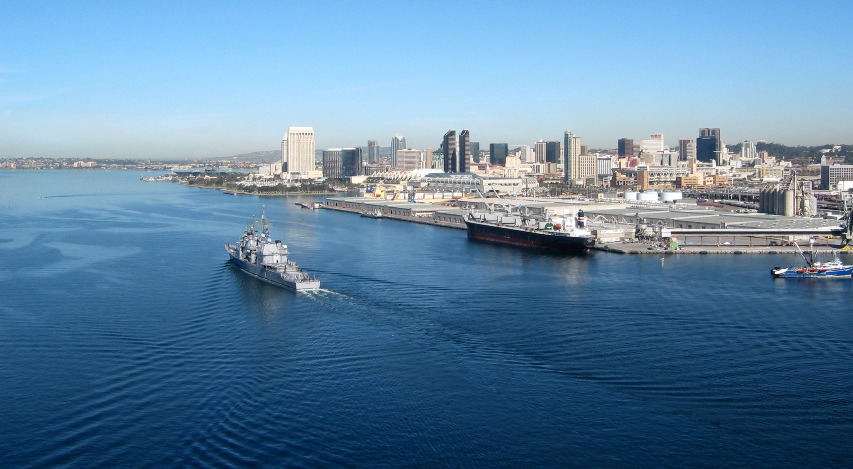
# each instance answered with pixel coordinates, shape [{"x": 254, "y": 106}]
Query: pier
[{"x": 771, "y": 235}]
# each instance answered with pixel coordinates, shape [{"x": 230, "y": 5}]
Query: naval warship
[{"x": 259, "y": 256}]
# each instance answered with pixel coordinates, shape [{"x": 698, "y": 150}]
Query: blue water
[{"x": 127, "y": 340}]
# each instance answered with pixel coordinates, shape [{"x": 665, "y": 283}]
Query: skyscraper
[
  {"x": 747, "y": 151},
  {"x": 653, "y": 144},
  {"x": 539, "y": 149},
  {"x": 626, "y": 147},
  {"x": 707, "y": 132},
  {"x": 397, "y": 143},
  {"x": 706, "y": 148},
  {"x": 464, "y": 151},
  {"x": 351, "y": 162},
  {"x": 372, "y": 151},
  {"x": 451, "y": 152},
  {"x": 341, "y": 163},
  {"x": 297, "y": 150},
  {"x": 475, "y": 153},
  {"x": 498, "y": 153},
  {"x": 552, "y": 152},
  {"x": 686, "y": 149},
  {"x": 709, "y": 145},
  {"x": 571, "y": 152},
  {"x": 408, "y": 159},
  {"x": 332, "y": 163}
]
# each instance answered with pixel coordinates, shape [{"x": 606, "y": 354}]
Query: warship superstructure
[{"x": 259, "y": 256}]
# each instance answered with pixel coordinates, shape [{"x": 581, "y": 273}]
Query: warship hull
[{"x": 271, "y": 275}]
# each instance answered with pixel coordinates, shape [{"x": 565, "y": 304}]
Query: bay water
[{"x": 127, "y": 339}]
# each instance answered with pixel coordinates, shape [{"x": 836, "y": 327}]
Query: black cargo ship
[{"x": 546, "y": 235}]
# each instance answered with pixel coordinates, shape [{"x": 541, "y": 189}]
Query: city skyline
[{"x": 193, "y": 80}]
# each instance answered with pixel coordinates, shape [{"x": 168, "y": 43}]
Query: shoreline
[{"x": 621, "y": 247}]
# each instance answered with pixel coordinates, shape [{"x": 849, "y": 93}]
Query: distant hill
[
  {"x": 274, "y": 156},
  {"x": 801, "y": 154}
]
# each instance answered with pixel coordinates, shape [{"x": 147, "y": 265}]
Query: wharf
[
  {"x": 409, "y": 218},
  {"x": 454, "y": 218},
  {"x": 649, "y": 248}
]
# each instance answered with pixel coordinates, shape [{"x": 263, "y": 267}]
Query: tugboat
[
  {"x": 814, "y": 269},
  {"x": 259, "y": 256}
]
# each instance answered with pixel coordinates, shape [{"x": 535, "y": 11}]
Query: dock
[{"x": 710, "y": 243}]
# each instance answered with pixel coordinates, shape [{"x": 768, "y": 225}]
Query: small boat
[
  {"x": 375, "y": 213},
  {"x": 311, "y": 206},
  {"x": 258, "y": 255},
  {"x": 814, "y": 269}
]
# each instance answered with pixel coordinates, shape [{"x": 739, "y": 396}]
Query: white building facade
[
  {"x": 653, "y": 144},
  {"x": 408, "y": 159},
  {"x": 297, "y": 151}
]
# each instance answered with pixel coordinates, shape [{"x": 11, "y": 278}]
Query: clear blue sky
[{"x": 166, "y": 79}]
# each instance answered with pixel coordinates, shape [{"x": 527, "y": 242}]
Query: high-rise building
[
  {"x": 603, "y": 166},
  {"x": 333, "y": 163},
  {"x": 297, "y": 150},
  {"x": 653, "y": 144},
  {"x": 352, "y": 162},
  {"x": 706, "y": 148},
  {"x": 475, "y": 154},
  {"x": 686, "y": 149},
  {"x": 498, "y": 153},
  {"x": 552, "y": 152},
  {"x": 464, "y": 159},
  {"x": 708, "y": 132},
  {"x": 524, "y": 153},
  {"x": 408, "y": 159},
  {"x": 572, "y": 168},
  {"x": 427, "y": 159},
  {"x": 451, "y": 152},
  {"x": 626, "y": 147},
  {"x": 397, "y": 143},
  {"x": 709, "y": 145},
  {"x": 372, "y": 151},
  {"x": 341, "y": 163},
  {"x": 571, "y": 152},
  {"x": 437, "y": 161},
  {"x": 540, "y": 149},
  {"x": 831, "y": 175},
  {"x": 747, "y": 151}
]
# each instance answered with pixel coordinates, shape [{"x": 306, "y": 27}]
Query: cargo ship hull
[{"x": 527, "y": 238}]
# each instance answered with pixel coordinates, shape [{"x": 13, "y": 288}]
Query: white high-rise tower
[
  {"x": 571, "y": 153},
  {"x": 297, "y": 150}
]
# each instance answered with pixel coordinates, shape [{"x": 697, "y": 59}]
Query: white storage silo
[
  {"x": 671, "y": 196},
  {"x": 648, "y": 196}
]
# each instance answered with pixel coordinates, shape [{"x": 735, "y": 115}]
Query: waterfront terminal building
[{"x": 430, "y": 180}]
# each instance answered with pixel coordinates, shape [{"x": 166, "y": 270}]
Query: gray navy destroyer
[{"x": 259, "y": 256}]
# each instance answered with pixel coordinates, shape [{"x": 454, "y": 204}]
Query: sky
[{"x": 204, "y": 79}]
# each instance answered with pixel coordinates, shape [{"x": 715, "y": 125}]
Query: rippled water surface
[{"x": 128, "y": 340}]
